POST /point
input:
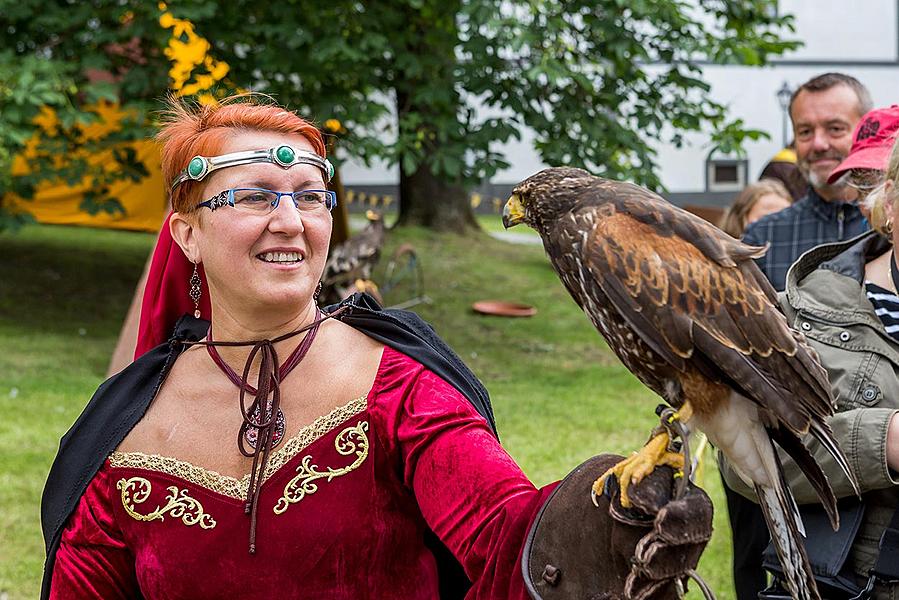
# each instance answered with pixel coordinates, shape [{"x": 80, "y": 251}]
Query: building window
[{"x": 725, "y": 173}]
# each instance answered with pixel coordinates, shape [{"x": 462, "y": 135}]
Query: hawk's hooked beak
[{"x": 513, "y": 212}]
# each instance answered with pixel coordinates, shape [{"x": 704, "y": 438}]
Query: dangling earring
[
  {"x": 318, "y": 290},
  {"x": 195, "y": 291},
  {"x": 888, "y": 227}
]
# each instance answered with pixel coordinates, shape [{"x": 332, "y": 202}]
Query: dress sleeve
[
  {"x": 469, "y": 490},
  {"x": 92, "y": 560}
]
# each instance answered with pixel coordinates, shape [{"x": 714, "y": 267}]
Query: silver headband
[{"x": 284, "y": 156}]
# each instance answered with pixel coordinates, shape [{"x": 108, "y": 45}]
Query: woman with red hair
[
  {"x": 282, "y": 451},
  {"x": 165, "y": 295}
]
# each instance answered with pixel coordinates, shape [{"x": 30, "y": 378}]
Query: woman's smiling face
[{"x": 262, "y": 261}]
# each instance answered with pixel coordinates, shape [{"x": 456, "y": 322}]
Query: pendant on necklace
[{"x": 251, "y": 434}]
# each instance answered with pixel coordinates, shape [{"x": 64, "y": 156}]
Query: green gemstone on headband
[
  {"x": 196, "y": 166},
  {"x": 285, "y": 154},
  {"x": 330, "y": 170}
]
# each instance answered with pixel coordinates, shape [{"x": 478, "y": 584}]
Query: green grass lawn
[{"x": 559, "y": 394}]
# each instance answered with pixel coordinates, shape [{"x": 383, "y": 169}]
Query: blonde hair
[
  {"x": 733, "y": 222},
  {"x": 877, "y": 201}
]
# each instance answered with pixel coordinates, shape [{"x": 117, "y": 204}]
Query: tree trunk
[
  {"x": 437, "y": 201},
  {"x": 340, "y": 232},
  {"x": 433, "y": 202}
]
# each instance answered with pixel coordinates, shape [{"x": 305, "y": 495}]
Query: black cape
[{"x": 120, "y": 403}]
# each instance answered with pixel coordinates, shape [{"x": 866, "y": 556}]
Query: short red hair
[{"x": 189, "y": 130}]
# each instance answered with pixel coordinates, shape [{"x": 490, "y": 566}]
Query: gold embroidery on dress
[
  {"x": 351, "y": 440},
  {"x": 179, "y": 505},
  {"x": 232, "y": 486}
]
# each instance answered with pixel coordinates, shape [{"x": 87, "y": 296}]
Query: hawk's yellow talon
[{"x": 633, "y": 469}]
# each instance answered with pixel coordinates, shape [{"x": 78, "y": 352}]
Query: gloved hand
[{"x": 578, "y": 550}]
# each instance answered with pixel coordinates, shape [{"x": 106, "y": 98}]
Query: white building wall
[
  {"x": 857, "y": 38},
  {"x": 860, "y": 39},
  {"x": 751, "y": 95},
  {"x": 841, "y": 31}
]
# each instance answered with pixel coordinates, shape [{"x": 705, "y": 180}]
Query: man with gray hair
[{"x": 824, "y": 112}]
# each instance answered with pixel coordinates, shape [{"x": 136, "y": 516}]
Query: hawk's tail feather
[
  {"x": 821, "y": 431},
  {"x": 808, "y": 366},
  {"x": 803, "y": 458},
  {"x": 808, "y": 369},
  {"x": 783, "y": 522}
]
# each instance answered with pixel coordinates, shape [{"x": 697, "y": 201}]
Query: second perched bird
[
  {"x": 351, "y": 263},
  {"x": 686, "y": 309}
]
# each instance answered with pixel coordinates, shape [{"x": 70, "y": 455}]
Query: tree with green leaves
[
  {"x": 67, "y": 57},
  {"x": 434, "y": 86}
]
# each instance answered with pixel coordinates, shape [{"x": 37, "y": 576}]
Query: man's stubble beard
[{"x": 819, "y": 182}]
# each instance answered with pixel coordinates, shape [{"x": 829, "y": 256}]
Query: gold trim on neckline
[{"x": 232, "y": 486}]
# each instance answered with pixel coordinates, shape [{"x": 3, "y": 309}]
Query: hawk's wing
[{"x": 694, "y": 295}]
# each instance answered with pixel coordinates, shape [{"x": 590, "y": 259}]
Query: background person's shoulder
[{"x": 757, "y": 232}]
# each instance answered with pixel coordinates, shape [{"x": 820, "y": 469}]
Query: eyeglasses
[
  {"x": 865, "y": 180},
  {"x": 261, "y": 201}
]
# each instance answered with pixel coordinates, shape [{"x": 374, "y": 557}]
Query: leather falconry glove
[{"x": 576, "y": 550}]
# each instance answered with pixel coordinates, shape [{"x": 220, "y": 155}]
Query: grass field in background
[{"x": 558, "y": 393}]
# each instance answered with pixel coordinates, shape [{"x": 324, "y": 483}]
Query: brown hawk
[{"x": 686, "y": 309}]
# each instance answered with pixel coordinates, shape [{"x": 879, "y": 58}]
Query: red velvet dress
[{"x": 342, "y": 512}]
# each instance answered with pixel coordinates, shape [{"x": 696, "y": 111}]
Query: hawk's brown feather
[
  {"x": 686, "y": 309},
  {"x": 679, "y": 286}
]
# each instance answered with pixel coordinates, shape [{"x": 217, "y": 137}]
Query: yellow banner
[
  {"x": 144, "y": 202},
  {"x": 193, "y": 70}
]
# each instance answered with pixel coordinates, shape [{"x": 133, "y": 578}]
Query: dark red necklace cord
[
  {"x": 267, "y": 399},
  {"x": 292, "y": 361}
]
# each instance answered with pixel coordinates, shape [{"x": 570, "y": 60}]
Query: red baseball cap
[{"x": 872, "y": 141}]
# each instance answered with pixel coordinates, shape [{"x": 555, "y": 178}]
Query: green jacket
[{"x": 825, "y": 299}]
